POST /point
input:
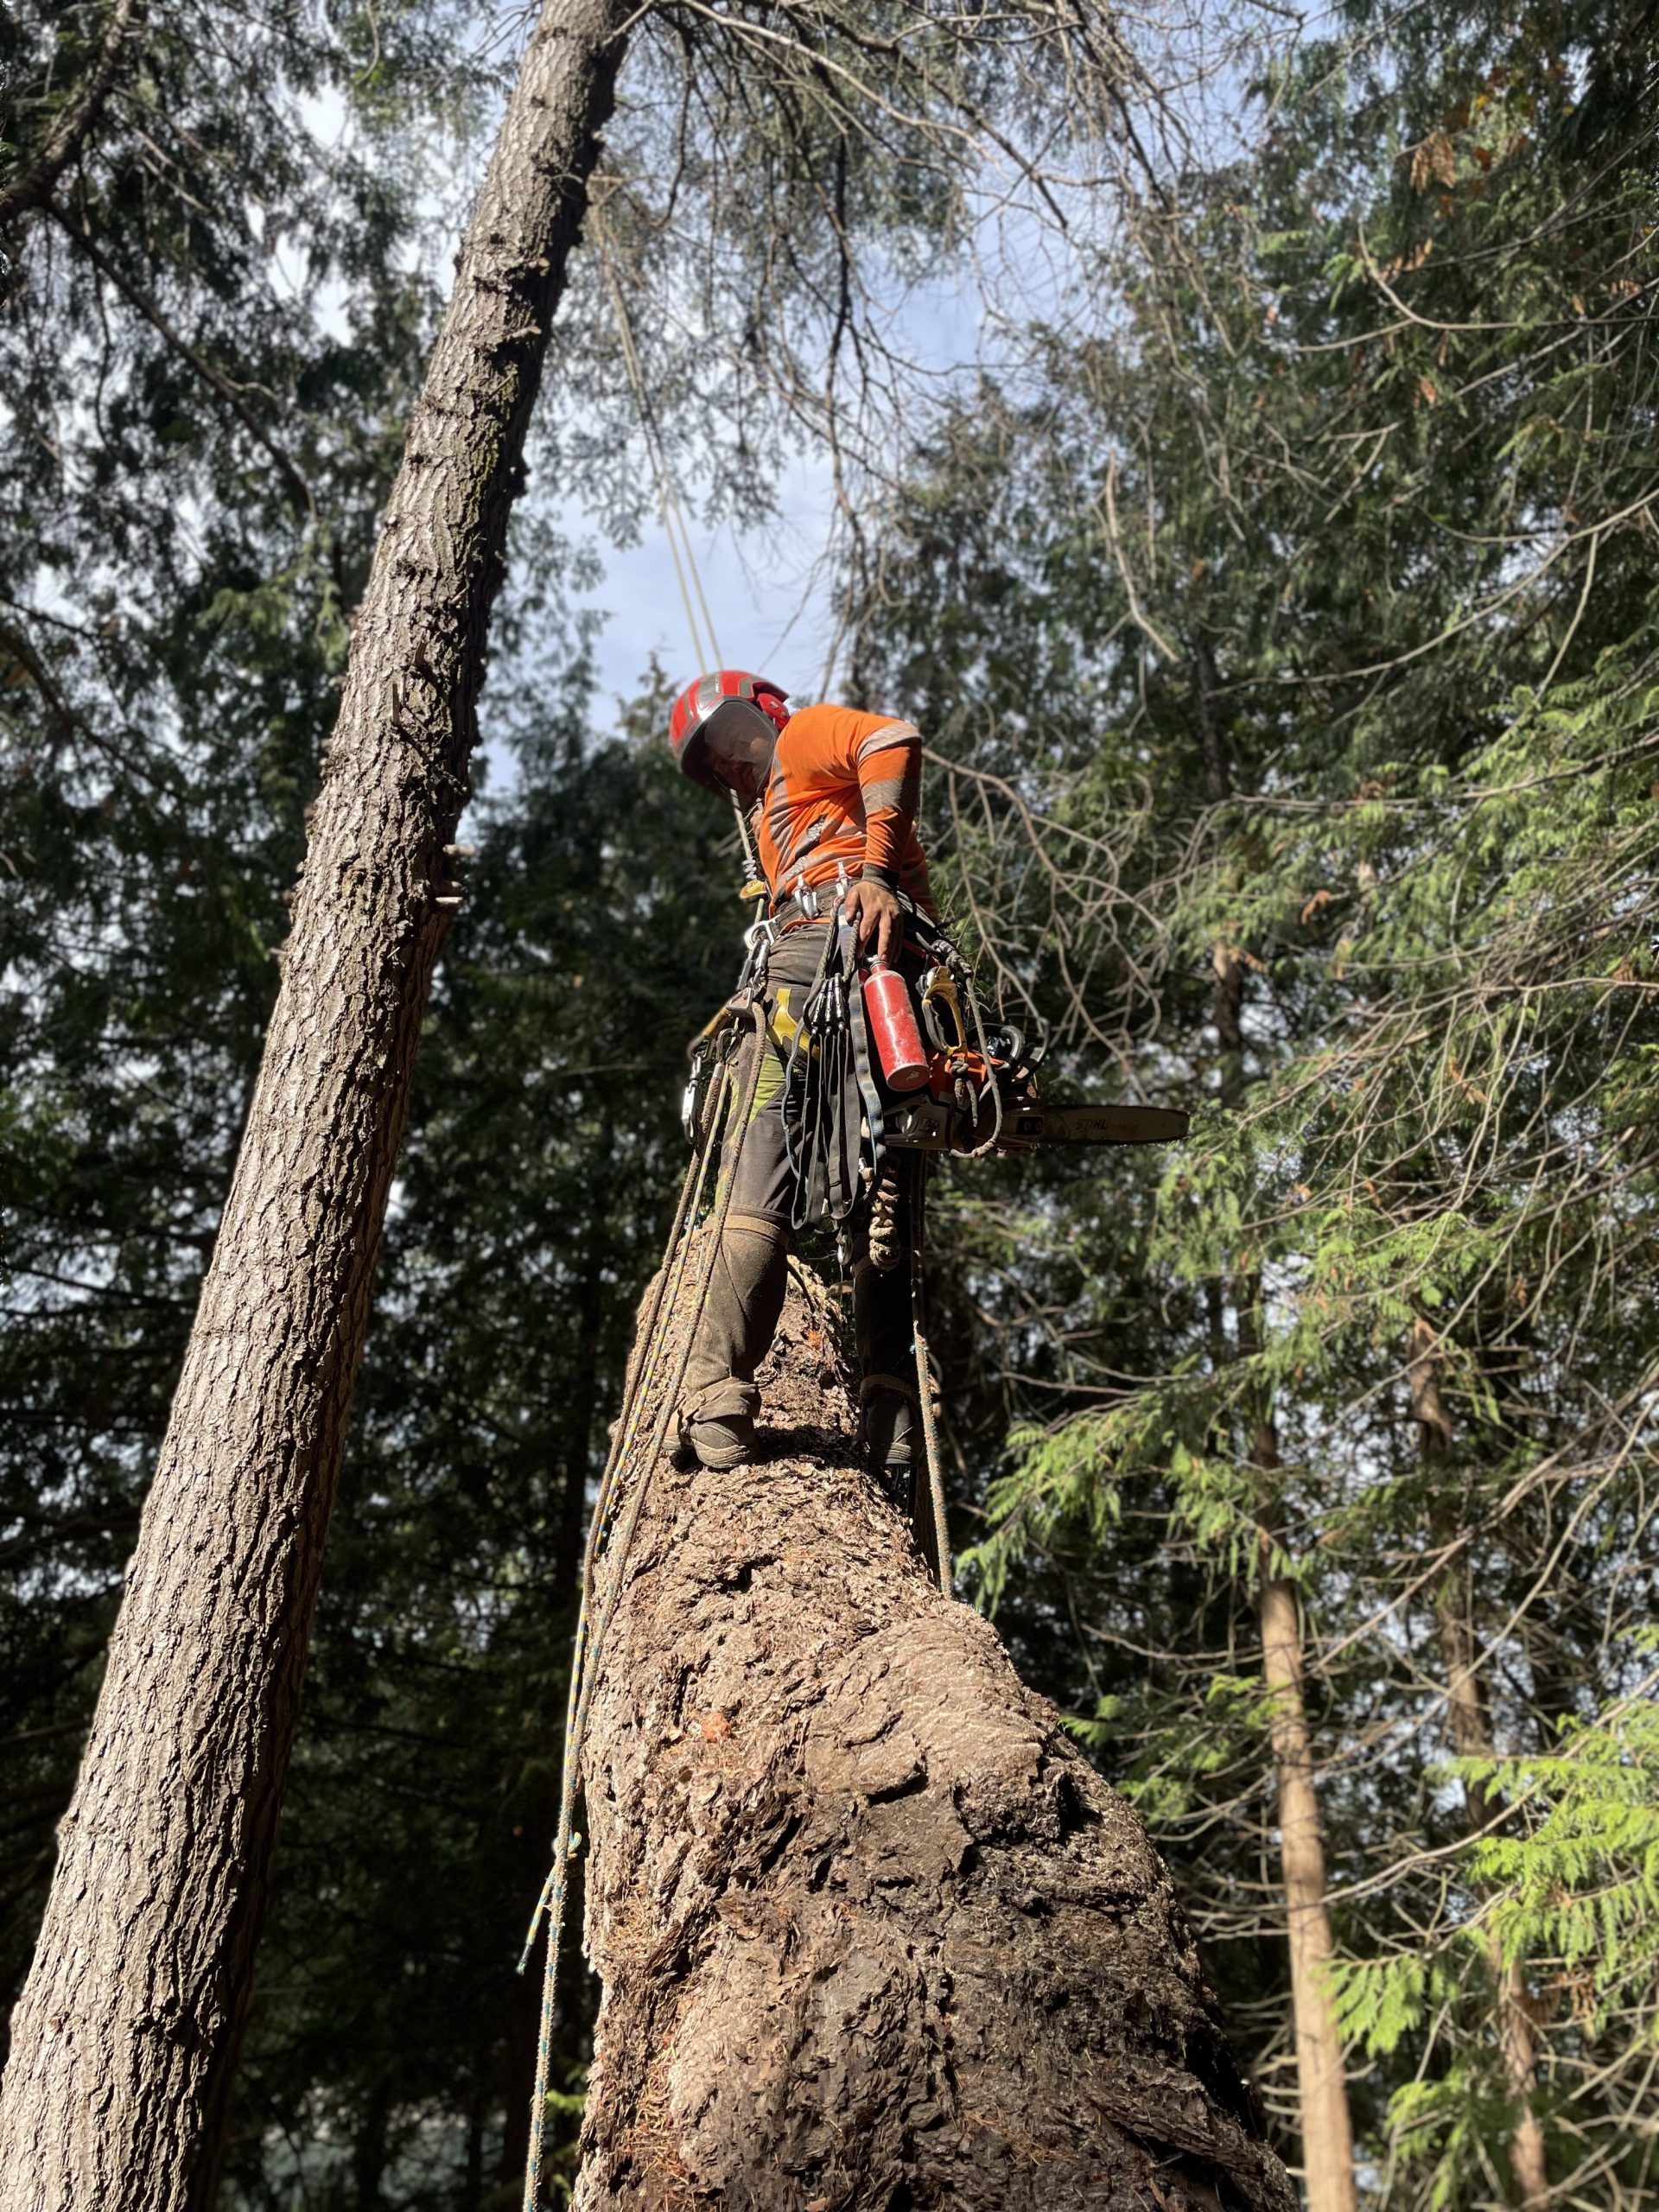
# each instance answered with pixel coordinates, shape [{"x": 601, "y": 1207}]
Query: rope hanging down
[
  {"x": 637, "y": 1442},
  {"x": 594, "y": 1615},
  {"x": 620, "y": 1502},
  {"x": 917, "y": 1181},
  {"x": 675, "y": 526}
]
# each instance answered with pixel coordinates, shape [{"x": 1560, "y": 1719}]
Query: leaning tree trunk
[
  {"x": 124, "y": 2036},
  {"x": 872, "y": 1933},
  {"x": 1321, "y": 2078}
]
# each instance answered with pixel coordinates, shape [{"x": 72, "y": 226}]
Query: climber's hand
[{"x": 876, "y": 916}]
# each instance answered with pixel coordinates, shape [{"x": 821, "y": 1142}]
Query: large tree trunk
[
  {"x": 124, "y": 2037},
  {"x": 873, "y": 1934}
]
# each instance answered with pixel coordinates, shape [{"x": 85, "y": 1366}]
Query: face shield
[{"x": 733, "y": 749}]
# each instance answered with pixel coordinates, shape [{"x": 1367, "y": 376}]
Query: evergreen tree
[
  {"x": 388, "y": 2032},
  {"x": 172, "y": 623},
  {"x": 140, "y": 1973},
  {"x": 1366, "y": 484}
]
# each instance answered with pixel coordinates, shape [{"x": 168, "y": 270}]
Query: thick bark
[
  {"x": 872, "y": 1933},
  {"x": 1469, "y": 1725},
  {"x": 124, "y": 2036}
]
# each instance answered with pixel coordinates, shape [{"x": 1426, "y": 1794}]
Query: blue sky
[{"x": 770, "y": 613}]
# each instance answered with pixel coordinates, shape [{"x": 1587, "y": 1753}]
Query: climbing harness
[
  {"x": 978, "y": 1089},
  {"x": 831, "y": 1104}
]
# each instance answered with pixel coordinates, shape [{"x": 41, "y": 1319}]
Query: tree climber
[{"x": 837, "y": 793}]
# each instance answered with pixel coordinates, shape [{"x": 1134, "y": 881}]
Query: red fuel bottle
[{"x": 893, "y": 1033}]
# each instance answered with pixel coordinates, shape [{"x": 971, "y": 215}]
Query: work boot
[
  {"x": 888, "y": 1426},
  {"x": 887, "y": 1436},
  {"x": 735, "y": 1333}
]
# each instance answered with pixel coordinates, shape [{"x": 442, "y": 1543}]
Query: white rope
[
  {"x": 675, "y": 529},
  {"x": 623, "y": 1461},
  {"x": 675, "y": 526}
]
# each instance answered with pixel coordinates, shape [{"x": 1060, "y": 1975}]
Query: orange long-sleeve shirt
[{"x": 844, "y": 790}]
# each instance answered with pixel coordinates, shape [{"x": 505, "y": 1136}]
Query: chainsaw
[
  {"x": 977, "y": 1097},
  {"x": 935, "y": 1127}
]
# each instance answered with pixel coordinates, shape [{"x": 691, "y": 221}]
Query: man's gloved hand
[{"x": 876, "y": 916}]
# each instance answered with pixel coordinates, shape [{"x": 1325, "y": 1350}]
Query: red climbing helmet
[{"x": 732, "y": 695}]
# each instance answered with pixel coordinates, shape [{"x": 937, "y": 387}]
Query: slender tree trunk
[
  {"x": 1321, "y": 2079},
  {"x": 1469, "y": 1725},
  {"x": 872, "y": 1933},
  {"x": 1322, "y": 2087},
  {"x": 1517, "y": 2040},
  {"x": 124, "y": 2037}
]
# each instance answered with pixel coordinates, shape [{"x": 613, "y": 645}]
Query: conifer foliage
[
  {"x": 1285, "y": 638},
  {"x": 1292, "y": 654}
]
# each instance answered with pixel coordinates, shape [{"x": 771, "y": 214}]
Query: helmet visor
[{"x": 733, "y": 748}]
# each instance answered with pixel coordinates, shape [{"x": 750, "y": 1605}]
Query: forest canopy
[{"x": 1278, "y": 607}]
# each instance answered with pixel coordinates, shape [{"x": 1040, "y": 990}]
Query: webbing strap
[
  {"x": 869, "y": 1097},
  {"x": 831, "y": 1106},
  {"x": 899, "y": 1386}
]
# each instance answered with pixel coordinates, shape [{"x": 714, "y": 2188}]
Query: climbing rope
[
  {"x": 594, "y": 1618},
  {"x": 675, "y": 529},
  {"x": 746, "y": 838},
  {"x": 925, "y": 1372},
  {"x": 625, "y": 1482}
]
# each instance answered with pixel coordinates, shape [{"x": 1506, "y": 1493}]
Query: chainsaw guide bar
[{"x": 932, "y": 1126}]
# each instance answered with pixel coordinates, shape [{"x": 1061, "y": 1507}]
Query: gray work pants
[{"x": 745, "y": 1295}]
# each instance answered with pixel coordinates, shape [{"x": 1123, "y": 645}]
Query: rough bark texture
[
  {"x": 873, "y": 1934},
  {"x": 1469, "y": 1724},
  {"x": 123, "y": 2039}
]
